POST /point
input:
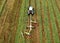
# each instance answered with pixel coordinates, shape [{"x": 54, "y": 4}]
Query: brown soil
[{"x": 9, "y": 21}]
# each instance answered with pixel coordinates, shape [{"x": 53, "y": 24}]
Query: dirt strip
[
  {"x": 50, "y": 24},
  {"x": 42, "y": 17},
  {"x": 56, "y": 21}
]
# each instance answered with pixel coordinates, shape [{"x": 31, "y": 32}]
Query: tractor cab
[{"x": 31, "y": 10}]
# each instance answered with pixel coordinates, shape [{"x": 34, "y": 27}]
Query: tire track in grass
[
  {"x": 56, "y": 21},
  {"x": 50, "y": 24},
  {"x": 42, "y": 17}
]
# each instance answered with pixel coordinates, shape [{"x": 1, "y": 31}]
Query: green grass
[
  {"x": 22, "y": 23},
  {"x": 55, "y": 33},
  {"x": 47, "y": 29},
  {"x": 56, "y": 11},
  {"x": 39, "y": 18},
  {"x": 2, "y": 5},
  {"x": 23, "y": 18},
  {"x": 19, "y": 38}
]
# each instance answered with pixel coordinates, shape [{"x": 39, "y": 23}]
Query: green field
[
  {"x": 51, "y": 22},
  {"x": 2, "y": 3}
]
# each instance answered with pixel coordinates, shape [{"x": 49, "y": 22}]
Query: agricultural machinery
[
  {"x": 31, "y": 22},
  {"x": 31, "y": 10}
]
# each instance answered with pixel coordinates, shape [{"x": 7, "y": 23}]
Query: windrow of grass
[
  {"x": 23, "y": 18},
  {"x": 2, "y": 4},
  {"x": 39, "y": 18},
  {"x": 22, "y": 22},
  {"x": 54, "y": 28},
  {"x": 32, "y": 3},
  {"x": 46, "y": 23},
  {"x": 56, "y": 11},
  {"x": 19, "y": 38}
]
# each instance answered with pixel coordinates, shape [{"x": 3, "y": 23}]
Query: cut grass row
[
  {"x": 23, "y": 18},
  {"x": 46, "y": 23},
  {"x": 55, "y": 35},
  {"x": 57, "y": 11},
  {"x": 2, "y": 4},
  {"x": 47, "y": 30},
  {"x": 22, "y": 22},
  {"x": 18, "y": 33},
  {"x": 39, "y": 18},
  {"x": 54, "y": 28}
]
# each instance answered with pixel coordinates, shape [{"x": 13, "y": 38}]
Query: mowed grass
[
  {"x": 23, "y": 18},
  {"x": 38, "y": 5},
  {"x": 19, "y": 38},
  {"x": 57, "y": 12},
  {"x": 22, "y": 22},
  {"x": 46, "y": 23},
  {"x": 2, "y": 2},
  {"x": 55, "y": 32}
]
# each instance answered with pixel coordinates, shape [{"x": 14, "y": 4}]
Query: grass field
[
  {"x": 13, "y": 21},
  {"x": 2, "y": 4}
]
